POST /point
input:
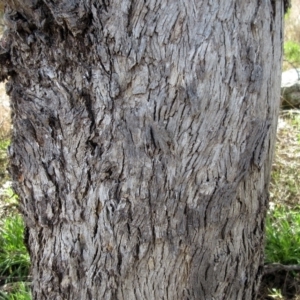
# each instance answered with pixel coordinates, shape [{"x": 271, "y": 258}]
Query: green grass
[
  {"x": 11, "y": 199},
  {"x": 4, "y": 144},
  {"x": 283, "y": 236},
  {"x": 292, "y": 52},
  {"x": 14, "y": 258},
  {"x": 283, "y": 218},
  {"x": 18, "y": 291}
]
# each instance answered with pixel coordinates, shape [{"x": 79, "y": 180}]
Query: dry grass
[
  {"x": 292, "y": 23},
  {"x": 285, "y": 184},
  {"x": 285, "y": 192}
]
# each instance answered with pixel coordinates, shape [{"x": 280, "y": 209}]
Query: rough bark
[{"x": 142, "y": 144}]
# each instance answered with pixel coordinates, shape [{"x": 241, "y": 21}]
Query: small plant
[
  {"x": 292, "y": 52},
  {"x": 4, "y": 144},
  {"x": 287, "y": 14},
  {"x": 14, "y": 258},
  {"x": 17, "y": 291},
  {"x": 283, "y": 236},
  {"x": 9, "y": 194},
  {"x": 275, "y": 294}
]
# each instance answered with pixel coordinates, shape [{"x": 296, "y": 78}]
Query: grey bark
[{"x": 142, "y": 145}]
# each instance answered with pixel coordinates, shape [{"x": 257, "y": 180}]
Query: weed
[
  {"x": 4, "y": 144},
  {"x": 16, "y": 291},
  {"x": 275, "y": 294},
  {"x": 292, "y": 52},
  {"x": 14, "y": 259},
  {"x": 283, "y": 236}
]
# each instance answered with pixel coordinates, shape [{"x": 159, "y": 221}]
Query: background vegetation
[{"x": 282, "y": 252}]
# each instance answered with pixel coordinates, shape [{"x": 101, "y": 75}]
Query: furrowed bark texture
[{"x": 142, "y": 144}]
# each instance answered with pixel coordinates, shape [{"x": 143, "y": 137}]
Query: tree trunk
[{"x": 142, "y": 143}]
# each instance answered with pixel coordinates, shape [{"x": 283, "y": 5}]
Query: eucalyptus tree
[{"x": 143, "y": 134}]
